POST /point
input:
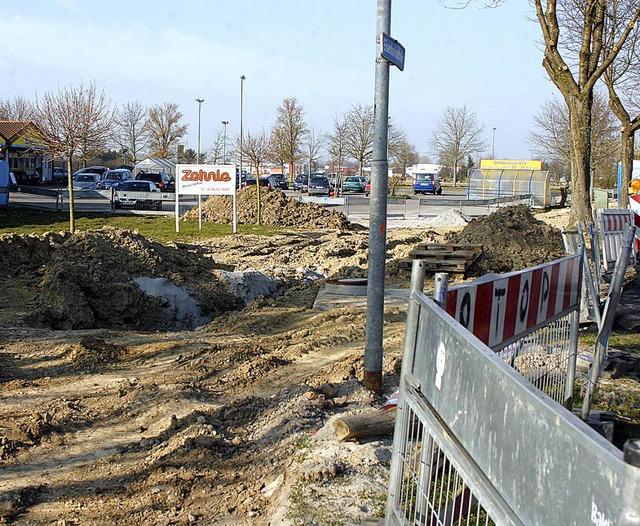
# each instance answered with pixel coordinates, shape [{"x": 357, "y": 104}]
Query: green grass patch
[
  {"x": 622, "y": 341},
  {"x": 26, "y": 221}
]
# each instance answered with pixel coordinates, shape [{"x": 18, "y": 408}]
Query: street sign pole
[{"x": 378, "y": 212}]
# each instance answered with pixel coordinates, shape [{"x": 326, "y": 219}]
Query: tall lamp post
[
  {"x": 235, "y": 188},
  {"x": 199, "y": 101},
  {"x": 242, "y": 79},
  {"x": 493, "y": 144},
  {"x": 224, "y": 143}
]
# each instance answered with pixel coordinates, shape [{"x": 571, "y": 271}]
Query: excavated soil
[
  {"x": 275, "y": 209},
  {"x": 107, "y": 417},
  {"x": 512, "y": 239}
]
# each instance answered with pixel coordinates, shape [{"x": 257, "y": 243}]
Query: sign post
[
  {"x": 389, "y": 52},
  {"x": 204, "y": 179}
]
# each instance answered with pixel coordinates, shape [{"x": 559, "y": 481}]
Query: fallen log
[{"x": 376, "y": 423}]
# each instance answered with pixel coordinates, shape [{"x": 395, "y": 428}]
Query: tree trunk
[
  {"x": 72, "y": 223},
  {"x": 258, "y": 189},
  {"x": 455, "y": 173},
  {"x": 580, "y": 125},
  {"x": 627, "y": 137}
]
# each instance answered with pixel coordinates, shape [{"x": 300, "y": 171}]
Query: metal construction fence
[
  {"x": 472, "y": 206},
  {"x": 478, "y": 441},
  {"x": 96, "y": 200}
]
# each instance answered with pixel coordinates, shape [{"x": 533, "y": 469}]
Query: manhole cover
[{"x": 347, "y": 286}]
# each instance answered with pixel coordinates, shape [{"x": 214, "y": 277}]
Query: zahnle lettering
[{"x": 202, "y": 175}]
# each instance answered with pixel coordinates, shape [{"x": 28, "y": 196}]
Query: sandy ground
[{"x": 109, "y": 418}]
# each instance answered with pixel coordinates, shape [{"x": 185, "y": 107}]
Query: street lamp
[
  {"x": 199, "y": 101},
  {"x": 493, "y": 144},
  {"x": 242, "y": 79},
  {"x": 224, "y": 143}
]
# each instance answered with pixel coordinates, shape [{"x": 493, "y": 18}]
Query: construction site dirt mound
[
  {"x": 276, "y": 209},
  {"x": 513, "y": 239},
  {"x": 87, "y": 279}
]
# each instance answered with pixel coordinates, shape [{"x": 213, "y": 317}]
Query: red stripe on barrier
[
  {"x": 452, "y": 302},
  {"x": 553, "y": 290},
  {"x": 482, "y": 312},
  {"x": 513, "y": 302},
  {"x": 534, "y": 302},
  {"x": 568, "y": 284}
]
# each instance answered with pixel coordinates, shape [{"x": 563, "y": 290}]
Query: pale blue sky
[{"x": 320, "y": 52}]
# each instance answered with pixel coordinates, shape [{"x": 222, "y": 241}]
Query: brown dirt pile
[
  {"x": 513, "y": 239},
  {"x": 86, "y": 278},
  {"x": 276, "y": 210}
]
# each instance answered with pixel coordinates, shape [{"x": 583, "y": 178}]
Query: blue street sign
[{"x": 392, "y": 51}]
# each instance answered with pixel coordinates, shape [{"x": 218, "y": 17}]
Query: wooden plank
[
  {"x": 439, "y": 254},
  {"x": 450, "y": 246},
  {"x": 438, "y": 264}
]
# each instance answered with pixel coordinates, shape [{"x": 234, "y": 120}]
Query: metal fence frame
[
  {"x": 476, "y": 443},
  {"x": 460, "y": 204}
]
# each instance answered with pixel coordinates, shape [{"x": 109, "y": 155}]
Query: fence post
[
  {"x": 602, "y": 341},
  {"x": 440, "y": 289},
  {"x": 631, "y": 482},
  {"x": 418, "y": 271}
]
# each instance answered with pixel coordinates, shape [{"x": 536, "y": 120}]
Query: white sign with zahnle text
[{"x": 205, "y": 179}]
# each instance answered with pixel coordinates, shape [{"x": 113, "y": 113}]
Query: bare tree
[
  {"x": 16, "y": 109},
  {"x": 131, "y": 133},
  {"x": 575, "y": 58},
  {"x": 257, "y": 148},
  {"x": 165, "y": 129},
  {"x": 359, "y": 133},
  {"x": 457, "y": 136},
  {"x": 290, "y": 129},
  {"x": 313, "y": 144},
  {"x": 622, "y": 79},
  {"x": 217, "y": 151},
  {"x": 551, "y": 137},
  {"x": 278, "y": 150},
  {"x": 403, "y": 155},
  {"x": 71, "y": 122},
  {"x": 336, "y": 142}
]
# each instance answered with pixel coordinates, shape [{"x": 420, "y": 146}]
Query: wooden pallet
[{"x": 444, "y": 257}]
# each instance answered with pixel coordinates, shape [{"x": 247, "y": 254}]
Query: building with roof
[{"x": 20, "y": 145}]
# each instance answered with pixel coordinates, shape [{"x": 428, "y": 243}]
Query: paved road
[{"x": 354, "y": 206}]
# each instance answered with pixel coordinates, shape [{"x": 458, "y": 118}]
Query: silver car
[{"x": 86, "y": 181}]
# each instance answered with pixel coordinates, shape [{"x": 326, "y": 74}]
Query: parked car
[
  {"x": 353, "y": 183},
  {"x": 162, "y": 180},
  {"x": 319, "y": 185},
  {"x": 367, "y": 188},
  {"x": 86, "y": 181},
  {"x": 113, "y": 179},
  {"x": 426, "y": 183},
  {"x": 264, "y": 181},
  {"x": 334, "y": 179},
  {"x": 91, "y": 170},
  {"x": 300, "y": 182},
  {"x": 279, "y": 182},
  {"x": 138, "y": 194},
  {"x": 59, "y": 174}
]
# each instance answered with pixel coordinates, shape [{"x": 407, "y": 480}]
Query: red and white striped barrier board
[
  {"x": 634, "y": 205},
  {"x": 507, "y": 307},
  {"x": 612, "y": 223}
]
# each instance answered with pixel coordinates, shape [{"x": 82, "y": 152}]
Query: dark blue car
[
  {"x": 300, "y": 182},
  {"x": 319, "y": 185},
  {"x": 426, "y": 183}
]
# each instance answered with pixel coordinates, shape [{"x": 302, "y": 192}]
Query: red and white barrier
[
  {"x": 634, "y": 205},
  {"x": 501, "y": 309},
  {"x": 612, "y": 222}
]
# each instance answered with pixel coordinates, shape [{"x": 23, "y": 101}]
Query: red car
[{"x": 367, "y": 188}]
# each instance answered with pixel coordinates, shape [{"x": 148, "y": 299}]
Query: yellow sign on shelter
[{"x": 506, "y": 164}]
